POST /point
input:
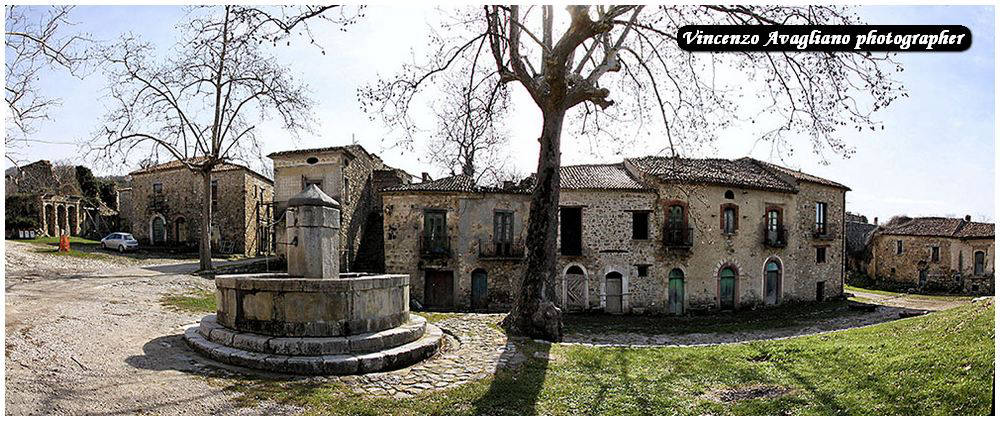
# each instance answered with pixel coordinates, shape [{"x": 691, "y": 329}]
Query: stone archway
[
  {"x": 157, "y": 229},
  {"x": 73, "y": 219},
  {"x": 50, "y": 220},
  {"x": 180, "y": 230},
  {"x": 60, "y": 219}
]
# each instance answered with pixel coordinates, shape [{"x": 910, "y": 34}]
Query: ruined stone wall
[
  {"x": 180, "y": 205},
  {"x": 258, "y": 192}
]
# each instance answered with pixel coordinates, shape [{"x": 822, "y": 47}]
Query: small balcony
[
  {"x": 501, "y": 250},
  {"x": 774, "y": 236},
  {"x": 821, "y": 231},
  {"x": 435, "y": 246},
  {"x": 678, "y": 237}
]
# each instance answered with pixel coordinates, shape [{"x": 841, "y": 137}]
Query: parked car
[{"x": 121, "y": 241}]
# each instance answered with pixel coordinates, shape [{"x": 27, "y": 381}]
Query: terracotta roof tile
[
  {"x": 799, "y": 175},
  {"x": 938, "y": 227},
  {"x": 748, "y": 173},
  {"x": 455, "y": 183},
  {"x": 177, "y": 164},
  {"x": 598, "y": 176}
]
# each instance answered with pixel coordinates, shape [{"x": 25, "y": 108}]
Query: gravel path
[{"x": 89, "y": 337}]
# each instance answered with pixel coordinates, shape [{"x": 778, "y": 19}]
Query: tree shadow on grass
[{"x": 518, "y": 380}]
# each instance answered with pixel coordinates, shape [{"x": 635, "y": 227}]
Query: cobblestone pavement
[{"x": 474, "y": 350}]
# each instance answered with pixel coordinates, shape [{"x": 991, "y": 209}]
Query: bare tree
[
  {"x": 631, "y": 51},
  {"x": 35, "y": 39},
  {"x": 202, "y": 105}
]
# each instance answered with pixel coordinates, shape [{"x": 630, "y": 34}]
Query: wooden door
[
  {"x": 771, "y": 284},
  {"x": 479, "y": 289},
  {"x": 727, "y": 289},
  {"x": 675, "y": 291},
  {"x": 613, "y": 293},
  {"x": 439, "y": 289},
  {"x": 576, "y": 286}
]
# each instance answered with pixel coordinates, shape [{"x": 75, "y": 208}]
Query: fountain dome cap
[{"x": 313, "y": 196}]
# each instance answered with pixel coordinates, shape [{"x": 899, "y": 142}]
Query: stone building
[
  {"x": 859, "y": 233},
  {"x": 934, "y": 254},
  {"x": 165, "y": 207},
  {"x": 55, "y": 196},
  {"x": 651, "y": 234},
  {"x": 351, "y": 176}
]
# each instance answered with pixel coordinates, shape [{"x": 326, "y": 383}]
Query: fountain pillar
[{"x": 314, "y": 229}]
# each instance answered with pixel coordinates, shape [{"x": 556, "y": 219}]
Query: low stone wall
[{"x": 284, "y": 306}]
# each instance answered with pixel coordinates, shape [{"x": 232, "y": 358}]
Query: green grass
[
  {"x": 194, "y": 301},
  {"x": 939, "y": 364},
  {"x": 794, "y": 314},
  {"x": 54, "y": 241},
  {"x": 848, "y": 288},
  {"x": 71, "y": 253}
]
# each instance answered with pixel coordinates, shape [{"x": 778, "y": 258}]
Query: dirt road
[{"x": 89, "y": 337}]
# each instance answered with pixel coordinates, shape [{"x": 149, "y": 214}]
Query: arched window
[
  {"x": 730, "y": 195},
  {"x": 772, "y": 282},
  {"x": 675, "y": 291},
  {"x": 727, "y": 288},
  {"x": 980, "y": 259}
]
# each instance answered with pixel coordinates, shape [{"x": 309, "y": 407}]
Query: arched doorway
[
  {"x": 157, "y": 230},
  {"x": 60, "y": 219},
  {"x": 613, "y": 292},
  {"x": 180, "y": 230},
  {"x": 575, "y": 287},
  {"x": 73, "y": 216},
  {"x": 50, "y": 220},
  {"x": 772, "y": 282},
  {"x": 727, "y": 288},
  {"x": 675, "y": 292},
  {"x": 479, "y": 290}
]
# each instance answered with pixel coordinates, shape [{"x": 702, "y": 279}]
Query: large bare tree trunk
[
  {"x": 534, "y": 314},
  {"x": 205, "y": 245}
]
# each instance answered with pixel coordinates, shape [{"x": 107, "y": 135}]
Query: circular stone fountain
[{"x": 314, "y": 320}]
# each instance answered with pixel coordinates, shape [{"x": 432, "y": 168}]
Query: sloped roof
[
  {"x": 598, "y": 176},
  {"x": 799, "y": 175},
  {"x": 353, "y": 150},
  {"x": 455, "y": 183},
  {"x": 177, "y": 164},
  {"x": 744, "y": 172},
  {"x": 938, "y": 227}
]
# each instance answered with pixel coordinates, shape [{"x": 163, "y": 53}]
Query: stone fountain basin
[{"x": 282, "y": 305}]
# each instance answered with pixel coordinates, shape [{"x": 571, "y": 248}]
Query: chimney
[
  {"x": 968, "y": 218},
  {"x": 424, "y": 177},
  {"x": 876, "y": 220}
]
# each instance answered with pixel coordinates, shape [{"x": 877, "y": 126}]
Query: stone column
[{"x": 313, "y": 234}]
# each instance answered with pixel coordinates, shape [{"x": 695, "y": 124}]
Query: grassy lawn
[
  {"x": 195, "y": 301},
  {"x": 940, "y": 364},
  {"x": 73, "y": 253},
  {"x": 848, "y": 288},
  {"x": 54, "y": 241},
  {"x": 795, "y": 314}
]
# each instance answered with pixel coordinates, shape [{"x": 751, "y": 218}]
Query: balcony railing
[
  {"x": 501, "y": 249},
  {"x": 435, "y": 246},
  {"x": 822, "y": 231},
  {"x": 774, "y": 236},
  {"x": 678, "y": 237}
]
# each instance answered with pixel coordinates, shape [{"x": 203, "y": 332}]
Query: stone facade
[
  {"x": 623, "y": 264},
  {"x": 351, "y": 176},
  {"x": 171, "y": 195},
  {"x": 903, "y": 255}
]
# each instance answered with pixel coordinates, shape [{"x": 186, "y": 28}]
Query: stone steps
[
  {"x": 346, "y": 363},
  {"x": 306, "y": 346}
]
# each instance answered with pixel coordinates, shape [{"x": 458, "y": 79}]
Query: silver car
[{"x": 121, "y": 241}]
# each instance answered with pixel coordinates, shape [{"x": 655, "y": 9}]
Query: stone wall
[
  {"x": 608, "y": 245},
  {"x": 346, "y": 176},
  {"x": 180, "y": 205},
  {"x": 469, "y": 219},
  {"x": 953, "y": 272}
]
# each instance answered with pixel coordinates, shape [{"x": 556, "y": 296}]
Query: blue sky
[{"x": 935, "y": 156}]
